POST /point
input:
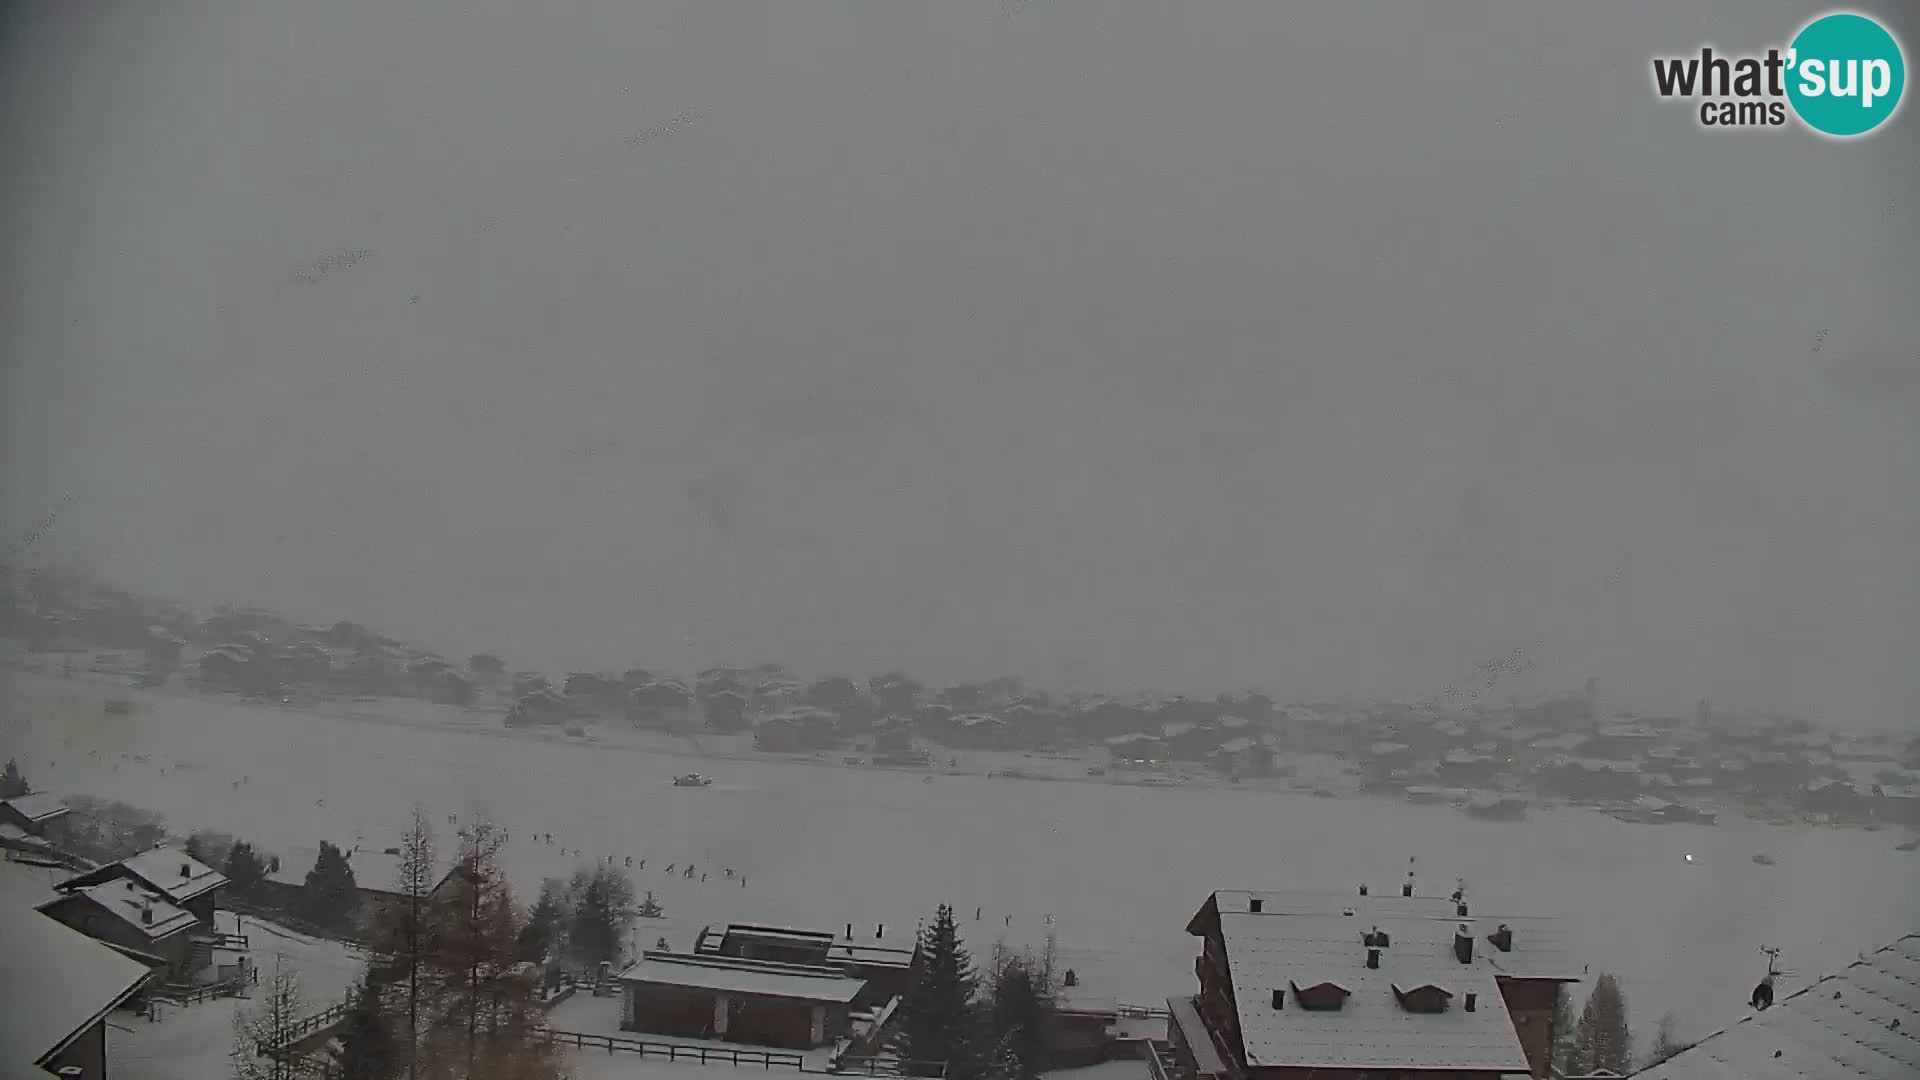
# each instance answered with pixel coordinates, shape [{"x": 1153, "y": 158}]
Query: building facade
[{"x": 1343, "y": 986}]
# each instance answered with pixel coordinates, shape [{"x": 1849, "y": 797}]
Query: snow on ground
[
  {"x": 191, "y": 1042},
  {"x": 1119, "y": 869}
]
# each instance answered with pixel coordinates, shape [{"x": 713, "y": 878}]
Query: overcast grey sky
[{"x": 1142, "y": 343}]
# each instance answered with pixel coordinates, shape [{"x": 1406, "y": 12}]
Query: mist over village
[{"x": 959, "y": 540}]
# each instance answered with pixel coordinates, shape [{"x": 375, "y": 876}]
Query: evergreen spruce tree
[
  {"x": 938, "y": 1018},
  {"x": 1565, "y": 1043},
  {"x": 1602, "y": 1039},
  {"x": 245, "y": 869},
  {"x": 330, "y": 896},
  {"x": 601, "y": 901},
  {"x": 1022, "y": 1010},
  {"x": 366, "y": 1050},
  {"x": 540, "y": 936},
  {"x": 12, "y": 783}
]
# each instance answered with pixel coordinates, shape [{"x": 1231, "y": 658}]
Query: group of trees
[
  {"x": 1602, "y": 1038},
  {"x": 449, "y": 995},
  {"x": 998, "y": 1032},
  {"x": 106, "y": 831},
  {"x": 13, "y": 783}
]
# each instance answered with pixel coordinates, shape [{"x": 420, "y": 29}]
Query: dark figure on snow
[
  {"x": 670, "y": 868},
  {"x": 1763, "y": 995},
  {"x": 689, "y": 874},
  {"x": 629, "y": 860},
  {"x": 729, "y": 871}
]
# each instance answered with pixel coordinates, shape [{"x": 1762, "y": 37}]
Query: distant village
[{"x": 1486, "y": 759}]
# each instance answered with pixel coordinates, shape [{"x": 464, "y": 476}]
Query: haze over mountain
[{"x": 1104, "y": 341}]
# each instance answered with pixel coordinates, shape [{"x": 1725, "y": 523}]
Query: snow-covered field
[
  {"x": 192, "y": 1042},
  {"x": 1119, "y": 870}
]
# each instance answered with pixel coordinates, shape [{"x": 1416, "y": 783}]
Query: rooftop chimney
[
  {"x": 1460, "y": 908},
  {"x": 1279, "y": 997},
  {"x": 879, "y": 931},
  {"x": 1463, "y": 944},
  {"x": 1254, "y": 904},
  {"x": 1406, "y": 887},
  {"x": 1473, "y": 999},
  {"x": 1502, "y": 938},
  {"x": 1373, "y": 958},
  {"x": 849, "y": 931},
  {"x": 146, "y": 915},
  {"x": 1363, "y": 889},
  {"x": 186, "y": 869}
]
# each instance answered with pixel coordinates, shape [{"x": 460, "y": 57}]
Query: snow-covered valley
[{"x": 1117, "y": 870}]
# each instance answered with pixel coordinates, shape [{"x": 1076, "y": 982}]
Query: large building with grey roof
[
  {"x": 1859, "y": 1023},
  {"x": 62, "y": 986},
  {"x": 1335, "y": 986}
]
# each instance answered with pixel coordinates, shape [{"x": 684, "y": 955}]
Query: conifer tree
[
  {"x": 245, "y": 868},
  {"x": 938, "y": 1018},
  {"x": 545, "y": 922},
  {"x": 12, "y": 783},
  {"x": 600, "y": 902},
  {"x": 330, "y": 896},
  {"x": 366, "y": 1049},
  {"x": 1022, "y": 1010},
  {"x": 1666, "y": 1041},
  {"x": 1601, "y": 1038},
  {"x": 1564, "y": 1035}
]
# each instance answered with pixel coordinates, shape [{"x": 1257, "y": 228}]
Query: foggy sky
[{"x": 1119, "y": 342}]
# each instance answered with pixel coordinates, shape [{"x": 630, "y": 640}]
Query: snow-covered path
[{"x": 1119, "y": 869}]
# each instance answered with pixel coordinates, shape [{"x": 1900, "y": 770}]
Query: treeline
[
  {"x": 1602, "y": 1038},
  {"x": 991, "y": 1029},
  {"x": 448, "y": 993}
]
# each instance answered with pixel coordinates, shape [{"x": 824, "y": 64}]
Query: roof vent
[
  {"x": 1473, "y": 999},
  {"x": 1502, "y": 938},
  {"x": 1373, "y": 958},
  {"x": 1279, "y": 997},
  {"x": 1363, "y": 889},
  {"x": 1254, "y": 904},
  {"x": 186, "y": 869},
  {"x": 146, "y": 915},
  {"x": 1463, "y": 944}
]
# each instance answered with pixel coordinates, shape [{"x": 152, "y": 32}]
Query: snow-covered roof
[
  {"x": 1371, "y": 1029},
  {"x": 1862, "y": 1023},
  {"x": 1539, "y": 948},
  {"x": 66, "y": 981},
  {"x": 735, "y": 976},
  {"x": 177, "y": 875},
  {"x": 39, "y": 806},
  {"x": 134, "y": 904}
]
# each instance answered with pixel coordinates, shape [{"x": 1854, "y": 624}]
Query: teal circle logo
[{"x": 1847, "y": 75}]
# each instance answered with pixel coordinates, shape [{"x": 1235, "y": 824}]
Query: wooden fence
[
  {"x": 705, "y": 1055},
  {"x": 853, "y": 1065},
  {"x": 291, "y": 1035}
]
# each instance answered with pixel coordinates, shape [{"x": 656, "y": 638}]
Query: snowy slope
[{"x": 1120, "y": 870}]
